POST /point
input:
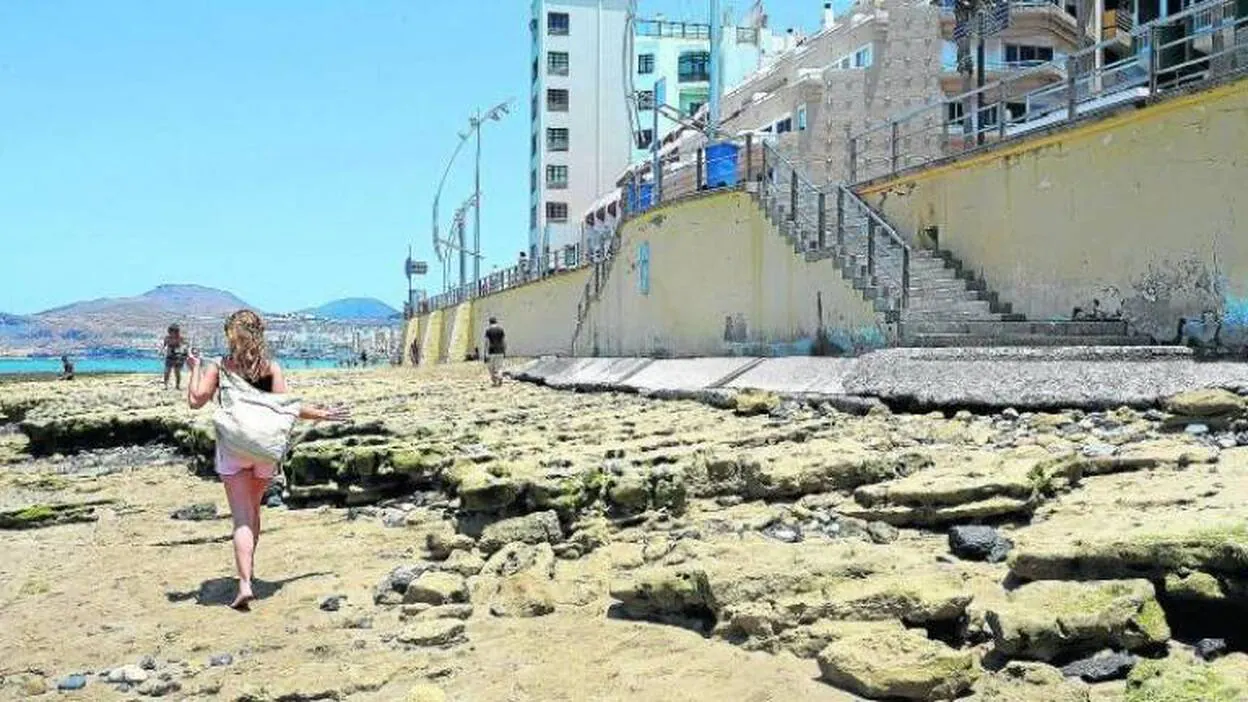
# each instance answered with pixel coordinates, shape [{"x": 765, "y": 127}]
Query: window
[
  {"x": 844, "y": 64},
  {"x": 954, "y": 112},
  {"x": 556, "y": 100},
  {"x": 533, "y": 180},
  {"x": 862, "y": 57},
  {"x": 533, "y": 145},
  {"x": 801, "y": 118},
  {"x": 557, "y": 63},
  {"x": 644, "y": 138},
  {"x": 556, "y": 139},
  {"x": 556, "y": 177},
  {"x": 533, "y": 217},
  {"x": 556, "y": 212},
  {"x": 694, "y": 106},
  {"x": 694, "y": 66},
  {"x": 645, "y": 64},
  {"x": 534, "y": 69},
  {"x": 534, "y": 105},
  {"x": 1023, "y": 54},
  {"x": 645, "y": 99},
  {"x": 557, "y": 23},
  {"x": 784, "y": 126}
]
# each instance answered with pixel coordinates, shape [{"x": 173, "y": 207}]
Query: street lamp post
[{"x": 496, "y": 114}]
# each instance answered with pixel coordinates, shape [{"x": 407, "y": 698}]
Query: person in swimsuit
[
  {"x": 245, "y": 480},
  {"x": 175, "y": 355}
]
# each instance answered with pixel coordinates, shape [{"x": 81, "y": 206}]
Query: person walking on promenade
[
  {"x": 175, "y": 355},
  {"x": 252, "y": 429},
  {"x": 495, "y": 350}
]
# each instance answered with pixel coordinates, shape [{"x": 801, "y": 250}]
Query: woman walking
[{"x": 246, "y": 370}]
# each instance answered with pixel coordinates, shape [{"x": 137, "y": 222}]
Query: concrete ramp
[
  {"x": 687, "y": 374},
  {"x": 542, "y": 369},
  {"x": 797, "y": 375},
  {"x": 599, "y": 373}
]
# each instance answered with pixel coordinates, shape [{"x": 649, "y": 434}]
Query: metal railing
[
  {"x": 832, "y": 221},
  {"x": 1205, "y": 42},
  {"x": 681, "y": 175},
  {"x": 673, "y": 30}
]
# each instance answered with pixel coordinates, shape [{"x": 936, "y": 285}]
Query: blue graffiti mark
[
  {"x": 643, "y": 268},
  {"x": 834, "y": 343}
]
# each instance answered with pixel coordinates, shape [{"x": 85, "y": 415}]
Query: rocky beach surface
[{"x": 457, "y": 542}]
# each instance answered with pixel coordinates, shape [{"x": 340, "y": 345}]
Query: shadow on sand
[{"x": 221, "y": 591}]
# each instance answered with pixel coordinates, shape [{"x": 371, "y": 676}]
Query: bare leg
[
  {"x": 177, "y": 374},
  {"x": 258, "y": 486},
  {"x": 167, "y": 369},
  {"x": 239, "y": 493}
]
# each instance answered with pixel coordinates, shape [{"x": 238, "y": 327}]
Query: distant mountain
[
  {"x": 163, "y": 301},
  {"x": 354, "y": 308}
]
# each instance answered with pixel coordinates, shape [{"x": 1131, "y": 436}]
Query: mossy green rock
[
  {"x": 660, "y": 591},
  {"x": 1183, "y": 678},
  {"x": 481, "y": 491},
  {"x": 1020, "y": 681},
  {"x": 535, "y": 528},
  {"x": 1209, "y": 402},
  {"x": 1047, "y": 620},
  {"x": 43, "y": 515},
  {"x": 885, "y": 660},
  {"x": 1216, "y": 549},
  {"x": 751, "y": 402}
]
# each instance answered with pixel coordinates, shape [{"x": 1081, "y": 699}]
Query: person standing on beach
[
  {"x": 67, "y": 368},
  {"x": 495, "y": 350},
  {"x": 245, "y": 479},
  {"x": 175, "y": 355}
]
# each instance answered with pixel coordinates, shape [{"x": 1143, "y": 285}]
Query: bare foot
[{"x": 243, "y": 601}]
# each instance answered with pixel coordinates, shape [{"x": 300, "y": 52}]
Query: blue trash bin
[{"x": 721, "y": 165}]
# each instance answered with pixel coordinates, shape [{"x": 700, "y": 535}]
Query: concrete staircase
[
  {"x": 944, "y": 305},
  {"x": 948, "y": 306}
]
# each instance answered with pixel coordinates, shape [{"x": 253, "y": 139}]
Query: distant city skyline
[{"x": 285, "y": 152}]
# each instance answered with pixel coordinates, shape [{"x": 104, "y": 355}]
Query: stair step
[
  {"x": 1008, "y": 328},
  {"x": 960, "y": 340}
]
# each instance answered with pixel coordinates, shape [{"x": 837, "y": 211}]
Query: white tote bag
[{"x": 252, "y": 423}]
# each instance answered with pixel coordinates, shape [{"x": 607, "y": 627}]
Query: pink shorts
[{"x": 231, "y": 464}]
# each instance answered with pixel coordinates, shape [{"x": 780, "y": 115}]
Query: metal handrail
[{"x": 1074, "y": 84}]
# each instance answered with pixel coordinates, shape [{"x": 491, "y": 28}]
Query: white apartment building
[{"x": 580, "y": 138}]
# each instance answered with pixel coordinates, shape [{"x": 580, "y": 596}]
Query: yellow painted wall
[
  {"x": 431, "y": 338},
  {"x": 714, "y": 259},
  {"x": 538, "y": 317},
  {"x": 411, "y": 332},
  {"x": 459, "y": 336},
  {"x": 1145, "y": 211}
]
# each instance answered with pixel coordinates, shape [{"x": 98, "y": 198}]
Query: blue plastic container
[
  {"x": 721, "y": 165},
  {"x": 645, "y": 198}
]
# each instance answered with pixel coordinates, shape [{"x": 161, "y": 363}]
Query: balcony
[
  {"x": 1028, "y": 19},
  {"x": 673, "y": 30},
  {"x": 1022, "y": 76}
]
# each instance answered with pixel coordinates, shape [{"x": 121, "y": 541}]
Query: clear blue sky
[{"x": 285, "y": 150}]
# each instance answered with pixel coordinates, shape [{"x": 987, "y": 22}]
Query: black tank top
[{"x": 265, "y": 383}]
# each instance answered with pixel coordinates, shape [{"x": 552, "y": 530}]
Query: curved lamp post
[{"x": 495, "y": 114}]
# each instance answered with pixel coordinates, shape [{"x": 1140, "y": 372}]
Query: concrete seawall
[{"x": 1092, "y": 378}]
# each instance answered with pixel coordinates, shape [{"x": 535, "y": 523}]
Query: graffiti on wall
[
  {"x": 836, "y": 339},
  {"x": 1183, "y": 303}
]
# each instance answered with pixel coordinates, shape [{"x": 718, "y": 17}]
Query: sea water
[{"x": 131, "y": 365}]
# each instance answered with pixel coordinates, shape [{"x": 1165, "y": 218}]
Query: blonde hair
[{"x": 244, "y": 331}]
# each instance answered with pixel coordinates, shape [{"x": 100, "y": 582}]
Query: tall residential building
[
  {"x": 580, "y": 139},
  {"x": 679, "y": 54}
]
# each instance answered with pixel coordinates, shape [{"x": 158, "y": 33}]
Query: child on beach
[{"x": 245, "y": 479}]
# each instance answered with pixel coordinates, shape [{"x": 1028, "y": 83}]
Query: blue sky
[{"x": 285, "y": 150}]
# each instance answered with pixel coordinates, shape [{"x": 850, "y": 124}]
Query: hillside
[
  {"x": 162, "y": 301},
  {"x": 353, "y": 308}
]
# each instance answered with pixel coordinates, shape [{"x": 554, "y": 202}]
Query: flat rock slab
[
  {"x": 595, "y": 373},
  {"x": 797, "y": 375},
  {"x": 687, "y": 374}
]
